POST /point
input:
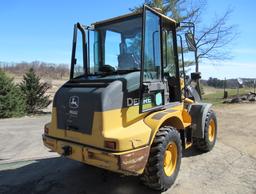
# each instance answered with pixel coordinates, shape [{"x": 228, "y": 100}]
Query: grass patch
[{"x": 216, "y": 98}]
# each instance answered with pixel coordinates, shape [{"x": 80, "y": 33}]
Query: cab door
[{"x": 151, "y": 79}]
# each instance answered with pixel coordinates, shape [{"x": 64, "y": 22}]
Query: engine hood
[{"x": 76, "y": 103}]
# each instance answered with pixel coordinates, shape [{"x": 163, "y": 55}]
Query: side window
[
  {"x": 168, "y": 54},
  {"x": 79, "y": 65},
  {"x": 112, "y": 50},
  {"x": 152, "y": 47}
]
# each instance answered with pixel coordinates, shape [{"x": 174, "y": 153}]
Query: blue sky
[
  {"x": 42, "y": 30},
  {"x": 243, "y": 49}
]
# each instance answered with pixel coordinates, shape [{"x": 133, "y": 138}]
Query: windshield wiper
[{"x": 119, "y": 72}]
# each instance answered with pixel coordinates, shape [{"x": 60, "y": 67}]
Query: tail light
[
  {"x": 46, "y": 129},
  {"x": 110, "y": 144}
]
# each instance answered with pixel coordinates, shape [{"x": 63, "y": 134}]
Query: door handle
[{"x": 145, "y": 88}]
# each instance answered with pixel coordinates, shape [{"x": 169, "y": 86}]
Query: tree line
[
  {"x": 229, "y": 83},
  {"x": 42, "y": 69}
]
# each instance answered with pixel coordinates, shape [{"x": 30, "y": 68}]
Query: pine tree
[
  {"x": 34, "y": 92},
  {"x": 12, "y": 102}
]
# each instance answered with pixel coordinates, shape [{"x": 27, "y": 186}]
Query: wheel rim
[
  {"x": 170, "y": 158},
  {"x": 211, "y": 131}
]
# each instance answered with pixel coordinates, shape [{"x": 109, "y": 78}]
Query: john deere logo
[{"x": 74, "y": 102}]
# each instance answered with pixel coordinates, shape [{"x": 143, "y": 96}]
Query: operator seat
[{"x": 126, "y": 60}]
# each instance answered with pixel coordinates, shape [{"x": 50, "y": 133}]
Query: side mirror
[
  {"x": 190, "y": 41},
  {"x": 195, "y": 76}
]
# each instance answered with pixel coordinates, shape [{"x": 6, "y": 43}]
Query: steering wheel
[{"x": 107, "y": 69}]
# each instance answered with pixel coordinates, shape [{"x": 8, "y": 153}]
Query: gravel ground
[
  {"x": 27, "y": 167},
  {"x": 21, "y": 138}
]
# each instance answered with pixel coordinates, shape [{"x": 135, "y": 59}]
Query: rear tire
[
  {"x": 210, "y": 133},
  {"x": 164, "y": 160}
]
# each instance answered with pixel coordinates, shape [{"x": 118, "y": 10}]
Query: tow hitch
[{"x": 67, "y": 150}]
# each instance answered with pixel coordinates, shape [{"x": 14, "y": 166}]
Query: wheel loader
[{"x": 128, "y": 106}]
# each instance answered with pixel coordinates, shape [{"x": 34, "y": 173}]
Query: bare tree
[{"x": 211, "y": 40}]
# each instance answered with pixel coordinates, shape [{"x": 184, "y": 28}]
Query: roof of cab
[{"x": 134, "y": 14}]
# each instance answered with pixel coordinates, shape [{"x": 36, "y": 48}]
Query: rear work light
[{"x": 110, "y": 144}]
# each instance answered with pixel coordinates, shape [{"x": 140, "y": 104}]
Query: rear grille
[{"x": 76, "y": 107}]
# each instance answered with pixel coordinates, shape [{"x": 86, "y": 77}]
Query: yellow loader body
[{"x": 131, "y": 134}]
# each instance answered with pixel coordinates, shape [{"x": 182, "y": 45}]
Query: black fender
[{"x": 198, "y": 113}]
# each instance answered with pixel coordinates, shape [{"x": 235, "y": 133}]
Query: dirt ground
[{"x": 27, "y": 167}]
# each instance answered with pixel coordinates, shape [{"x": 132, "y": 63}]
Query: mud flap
[{"x": 198, "y": 112}]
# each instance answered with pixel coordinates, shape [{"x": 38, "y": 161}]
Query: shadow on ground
[
  {"x": 190, "y": 152},
  {"x": 61, "y": 175}
]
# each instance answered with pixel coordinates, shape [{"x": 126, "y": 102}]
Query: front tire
[{"x": 164, "y": 160}]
